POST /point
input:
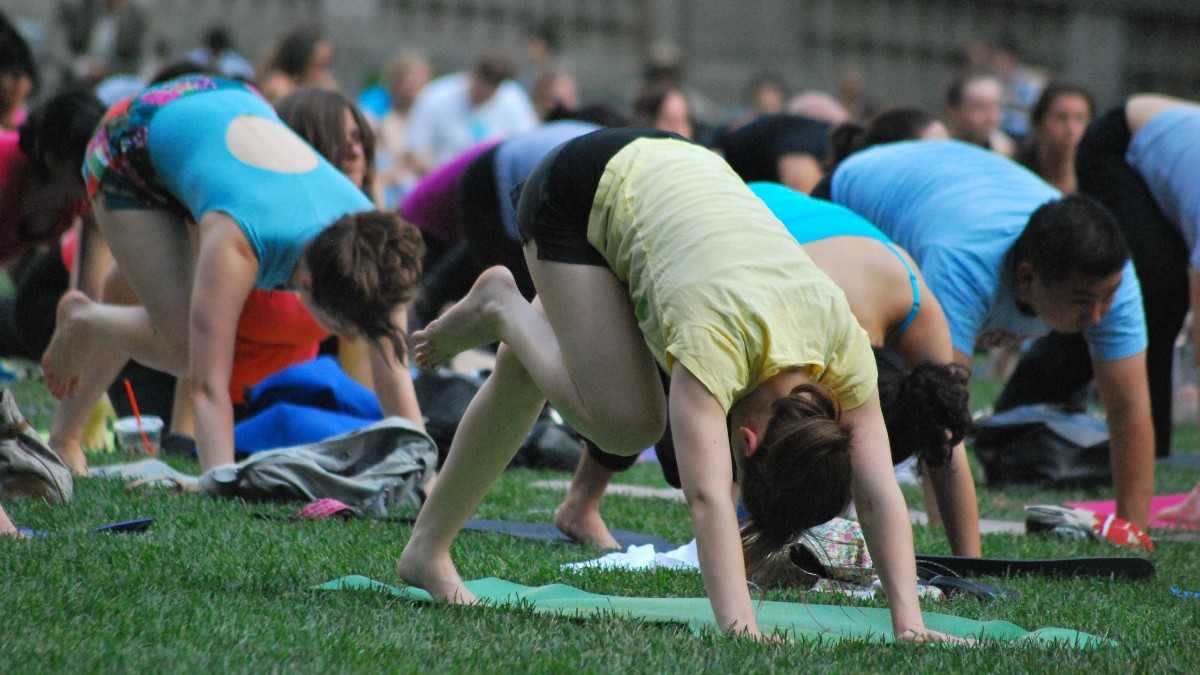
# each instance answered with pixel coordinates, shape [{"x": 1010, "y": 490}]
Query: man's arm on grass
[{"x": 1125, "y": 392}]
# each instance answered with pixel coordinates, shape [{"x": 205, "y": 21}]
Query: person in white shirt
[{"x": 458, "y": 111}]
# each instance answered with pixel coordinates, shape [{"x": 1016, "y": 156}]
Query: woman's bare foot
[
  {"x": 71, "y": 453},
  {"x": 69, "y": 350},
  {"x": 583, "y": 524},
  {"x": 473, "y": 322},
  {"x": 1186, "y": 512},
  {"x": 435, "y": 574}
]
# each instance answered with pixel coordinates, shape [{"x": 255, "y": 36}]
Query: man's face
[
  {"x": 480, "y": 91},
  {"x": 1070, "y": 306},
  {"x": 978, "y": 116}
]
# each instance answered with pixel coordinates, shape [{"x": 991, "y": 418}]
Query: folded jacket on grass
[{"x": 827, "y": 623}]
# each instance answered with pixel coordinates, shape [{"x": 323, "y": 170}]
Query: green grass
[{"x": 211, "y": 588}]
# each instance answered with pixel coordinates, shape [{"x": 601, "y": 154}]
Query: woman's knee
[{"x": 633, "y": 433}]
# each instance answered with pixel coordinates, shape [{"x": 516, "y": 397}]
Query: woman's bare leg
[
  {"x": 585, "y": 353},
  {"x": 93, "y": 340},
  {"x": 578, "y": 516},
  {"x": 497, "y": 420}
]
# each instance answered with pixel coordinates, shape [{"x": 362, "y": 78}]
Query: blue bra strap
[{"x": 916, "y": 306}]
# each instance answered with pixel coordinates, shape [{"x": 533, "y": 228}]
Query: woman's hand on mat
[{"x": 924, "y": 636}]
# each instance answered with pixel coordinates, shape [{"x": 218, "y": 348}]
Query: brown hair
[
  {"x": 649, "y": 102},
  {"x": 318, "y": 116},
  {"x": 294, "y": 51},
  {"x": 800, "y": 475},
  {"x": 889, "y": 126},
  {"x": 363, "y": 267}
]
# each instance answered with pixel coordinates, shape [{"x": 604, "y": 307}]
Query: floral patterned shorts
[{"x": 118, "y": 162}]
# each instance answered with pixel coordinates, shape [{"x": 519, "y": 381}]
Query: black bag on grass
[
  {"x": 444, "y": 396},
  {"x": 1045, "y": 446}
]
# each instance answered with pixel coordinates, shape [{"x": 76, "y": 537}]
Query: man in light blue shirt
[{"x": 1010, "y": 259}]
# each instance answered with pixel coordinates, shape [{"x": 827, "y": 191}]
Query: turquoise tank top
[{"x": 278, "y": 211}]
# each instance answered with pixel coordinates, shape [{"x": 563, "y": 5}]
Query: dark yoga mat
[
  {"x": 1116, "y": 567},
  {"x": 548, "y": 532},
  {"x": 126, "y": 527},
  {"x": 828, "y": 624}
]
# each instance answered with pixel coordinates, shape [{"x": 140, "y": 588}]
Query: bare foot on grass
[
  {"x": 473, "y": 322},
  {"x": 71, "y": 453},
  {"x": 435, "y": 574},
  {"x": 64, "y": 359},
  {"x": 1186, "y": 512},
  {"x": 584, "y": 524}
]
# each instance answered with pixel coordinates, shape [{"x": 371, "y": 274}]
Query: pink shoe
[{"x": 325, "y": 508}]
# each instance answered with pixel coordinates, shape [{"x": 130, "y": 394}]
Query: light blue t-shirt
[
  {"x": 517, "y": 156},
  {"x": 279, "y": 212},
  {"x": 1166, "y": 153},
  {"x": 958, "y": 209}
]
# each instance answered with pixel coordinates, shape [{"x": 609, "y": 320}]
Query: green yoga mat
[{"x": 827, "y": 623}]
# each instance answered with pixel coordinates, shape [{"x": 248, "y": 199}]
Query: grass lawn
[{"x": 211, "y": 588}]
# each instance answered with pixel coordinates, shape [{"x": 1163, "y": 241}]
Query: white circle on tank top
[{"x": 269, "y": 145}]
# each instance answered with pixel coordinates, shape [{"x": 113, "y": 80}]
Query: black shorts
[
  {"x": 1107, "y": 134},
  {"x": 554, "y": 203}
]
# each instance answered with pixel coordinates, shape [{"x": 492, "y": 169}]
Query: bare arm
[
  {"x": 1123, "y": 388},
  {"x": 702, "y": 444},
  {"x": 884, "y": 516},
  {"x": 393, "y": 381},
  {"x": 954, "y": 489},
  {"x": 92, "y": 259},
  {"x": 953, "y": 486},
  {"x": 225, "y": 273}
]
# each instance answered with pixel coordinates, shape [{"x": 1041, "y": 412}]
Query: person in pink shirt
[{"x": 18, "y": 75}]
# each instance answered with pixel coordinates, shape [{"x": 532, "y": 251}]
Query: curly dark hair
[
  {"x": 363, "y": 267},
  {"x": 799, "y": 477},
  {"x": 924, "y": 408}
]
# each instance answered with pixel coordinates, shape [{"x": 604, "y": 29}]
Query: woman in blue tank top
[
  {"x": 922, "y": 393},
  {"x": 268, "y": 212}
]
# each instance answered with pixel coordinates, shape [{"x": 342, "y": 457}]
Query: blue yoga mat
[{"x": 807, "y": 622}]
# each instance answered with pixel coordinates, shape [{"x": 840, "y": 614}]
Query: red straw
[{"x": 138, "y": 416}]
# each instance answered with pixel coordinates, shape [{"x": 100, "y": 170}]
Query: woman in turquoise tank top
[{"x": 203, "y": 194}]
